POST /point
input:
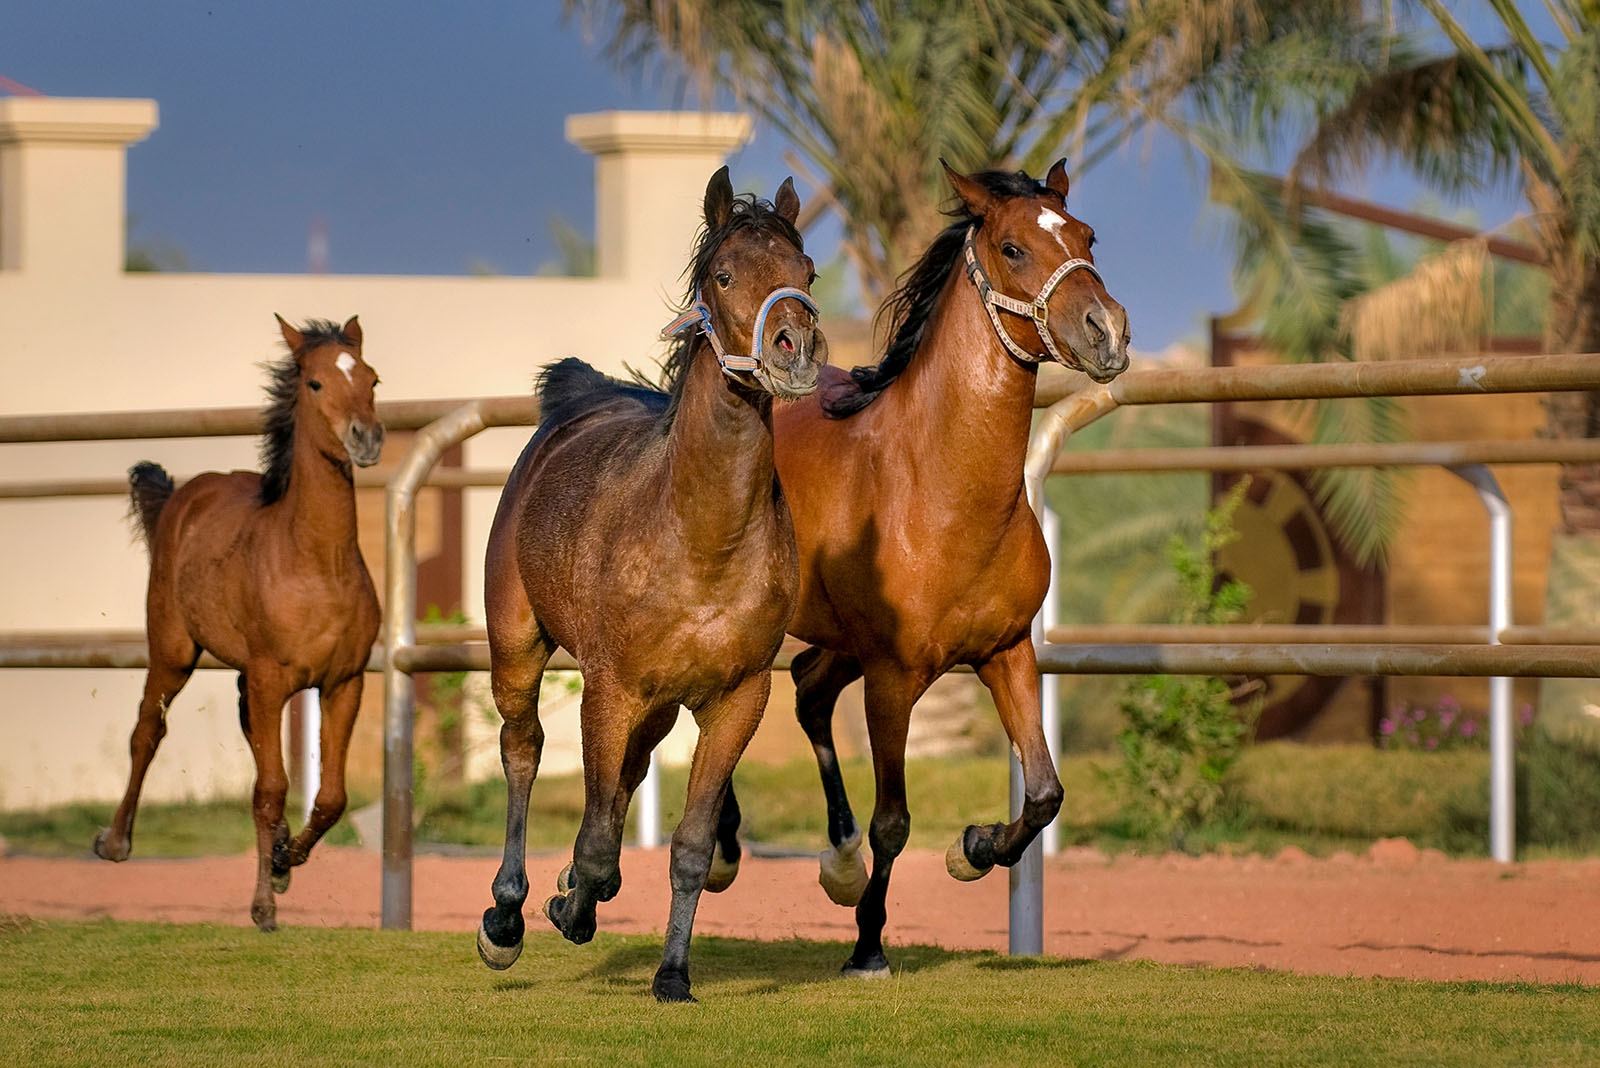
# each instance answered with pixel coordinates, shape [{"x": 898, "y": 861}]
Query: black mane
[
  {"x": 571, "y": 387},
  {"x": 277, "y": 421},
  {"x": 909, "y": 306}
]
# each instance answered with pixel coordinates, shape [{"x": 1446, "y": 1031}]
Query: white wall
[{"x": 79, "y": 335}]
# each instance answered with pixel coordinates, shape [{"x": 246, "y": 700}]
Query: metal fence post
[
  {"x": 310, "y": 750},
  {"x": 1050, "y": 683},
  {"x": 400, "y": 632}
]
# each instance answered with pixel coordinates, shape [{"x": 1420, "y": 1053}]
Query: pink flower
[{"x": 1468, "y": 728}]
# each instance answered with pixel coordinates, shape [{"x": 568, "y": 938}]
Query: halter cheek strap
[
  {"x": 698, "y": 317},
  {"x": 1039, "y": 311}
]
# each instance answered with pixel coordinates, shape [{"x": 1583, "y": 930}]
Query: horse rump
[{"x": 149, "y": 487}]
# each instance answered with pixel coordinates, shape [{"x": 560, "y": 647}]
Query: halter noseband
[
  {"x": 698, "y": 317},
  {"x": 994, "y": 303}
]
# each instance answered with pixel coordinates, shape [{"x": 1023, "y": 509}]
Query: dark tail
[
  {"x": 149, "y": 486},
  {"x": 570, "y": 387}
]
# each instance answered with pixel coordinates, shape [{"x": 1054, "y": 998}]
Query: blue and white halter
[{"x": 698, "y": 317}]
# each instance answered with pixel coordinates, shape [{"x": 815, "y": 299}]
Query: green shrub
[
  {"x": 1184, "y": 733},
  {"x": 1558, "y": 797}
]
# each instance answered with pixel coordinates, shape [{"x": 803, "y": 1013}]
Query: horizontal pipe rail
[
  {"x": 1299, "y": 457},
  {"x": 1312, "y": 634},
  {"x": 1511, "y": 661},
  {"x": 365, "y": 478},
  {"x": 232, "y": 422}
]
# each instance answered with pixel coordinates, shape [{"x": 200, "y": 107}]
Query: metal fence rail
[{"x": 1072, "y": 402}]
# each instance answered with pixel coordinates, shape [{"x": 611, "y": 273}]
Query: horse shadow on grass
[{"x": 750, "y": 967}]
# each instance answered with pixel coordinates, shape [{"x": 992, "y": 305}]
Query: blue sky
[{"x": 429, "y": 139}]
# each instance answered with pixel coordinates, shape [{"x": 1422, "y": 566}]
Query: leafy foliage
[{"x": 1184, "y": 732}]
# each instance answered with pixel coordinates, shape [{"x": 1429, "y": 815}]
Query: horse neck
[
  {"x": 967, "y": 401},
  {"x": 720, "y": 455},
  {"x": 320, "y": 499}
]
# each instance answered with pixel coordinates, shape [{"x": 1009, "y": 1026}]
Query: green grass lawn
[
  {"x": 1321, "y": 799},
  {"x": 109, "y": 993}
]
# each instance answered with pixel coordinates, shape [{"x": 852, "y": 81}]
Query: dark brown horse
[
  {"x": 263, "y": 571},
  {"x": 918, "y": 550},
  {"x": 644, "y": 532}
]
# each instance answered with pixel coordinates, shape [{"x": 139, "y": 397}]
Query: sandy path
[{"x": 1394, "y": 912}]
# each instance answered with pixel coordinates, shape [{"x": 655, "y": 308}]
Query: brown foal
[
  {"x": 263, "y": 571},
  {"x": 918, "y": 550},
  {"x": 644, "y": 531}
]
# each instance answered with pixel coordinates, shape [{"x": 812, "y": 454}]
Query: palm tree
[{"x": 1524, "y": 111}]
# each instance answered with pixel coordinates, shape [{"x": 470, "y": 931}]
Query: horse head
[
  {"x": 752, "y": 290},
  {"x": 1031, "y": 259},
  {"x": 336, "y": 385}
]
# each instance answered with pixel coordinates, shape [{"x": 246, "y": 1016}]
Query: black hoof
[
  {"x": 558, "y": 911},
  {"x": 873, "y": 966},
  {"x": 503, "y": 927},
  {"x": 497, "y": 957},
  {"x": 671, "y": 986}
]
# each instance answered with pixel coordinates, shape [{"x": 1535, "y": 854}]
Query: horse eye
[
  {"x": 812, "y": 280},
  {"x": 316, "y": 387},
  {"x": 1092, "y": 240},
  {"x": 724, "y": 279},
  {"x": 1010, "y": 251}
]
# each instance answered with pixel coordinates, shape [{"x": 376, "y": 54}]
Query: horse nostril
[
  {"x": 1094, "y": 322},
  {"x": 785, "y": 340}
]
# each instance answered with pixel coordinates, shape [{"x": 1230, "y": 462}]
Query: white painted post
[
  {"x": 310, "y": 750},
  {"x": 650, "y": 805},
  {"x": 1050, "y": 684},
  {"x": 1502, "y": 743}
]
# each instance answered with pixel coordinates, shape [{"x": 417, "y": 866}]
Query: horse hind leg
[
  {"x": 725, "y": 856},
  {"x": 1012, "y": 676},
  {"x": 819, "y": 676},
  {"x": 516, "y": 671},
  {"x": 172, "y": 660}
]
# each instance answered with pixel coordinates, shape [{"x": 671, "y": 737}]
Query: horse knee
[
  {"x": 690, "y": 866},
  {"x": 889, "y": 832}
]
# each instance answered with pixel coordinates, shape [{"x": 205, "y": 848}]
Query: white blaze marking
[
  {"x": 1051, "y": 223},
  {"x": 344, "y": 363}
]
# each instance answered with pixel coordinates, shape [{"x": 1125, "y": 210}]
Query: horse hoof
[
  {"x": 106, "y": 851},
  {"x": 957, "y": 864},
  {"x": 843, "y": 874},
  {"x": 280, "y": 882},
  {"x": 567, "y": 881},
  {"x": 722, "y": 872},
  {"x": 672, "y": 988},
  {"x": 874, "y": 970},
  {"x": 497, "y": 957},
  {"x": 266, "y": 919}
]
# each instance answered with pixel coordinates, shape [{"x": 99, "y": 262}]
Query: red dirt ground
[{"x": 1393, "y": 912}]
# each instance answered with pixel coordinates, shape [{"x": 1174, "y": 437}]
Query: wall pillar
[
  {"x": 651, "y": 169},
  {"x": 63, "y": 197}
]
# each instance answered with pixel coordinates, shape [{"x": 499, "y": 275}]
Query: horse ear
[
  {"x": 1056, "y": 180},
  {"x": 352, "y": 330},
  {"x": 719, "y": 199},
  {"x": 972, "y": 193},
  {"x": 291, "y": 337},
  {"x": 787, "y": 201}
]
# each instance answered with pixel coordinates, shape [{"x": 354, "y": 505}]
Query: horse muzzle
[
  {"x": 364, "y": 443},
  {"x": 793, "y": 361}
]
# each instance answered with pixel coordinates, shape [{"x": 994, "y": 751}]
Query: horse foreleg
[
  {"x": 819, "y": 676},
  {"x": 611, "y": 719},
  {"x": 516, "y": 672},
  {"x": 171, "y": 663},
  {"x": 890, "y": 694},
  {"x": 726, "y": 727},
  {"x": 264, "y": 697},
  {"x": 1012, "y": 676},
  {"x": 340, "y": 704}
]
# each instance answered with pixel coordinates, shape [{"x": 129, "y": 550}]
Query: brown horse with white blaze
[
  {"x": 918, "y": 549},
  {"x": 643, "y": 530},
  {"x": 263, "y": 571}
]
